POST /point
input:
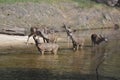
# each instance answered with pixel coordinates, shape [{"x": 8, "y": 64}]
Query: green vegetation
[
  {"x": 85, "y": 3},
  {"x": 14, "y": 1},
  {"x": 81, "y": 3}
]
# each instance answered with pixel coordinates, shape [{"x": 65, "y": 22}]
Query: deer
[
  {"x": 44, "y": 33},
  {"x": 52, "y": 37},
  {"x": 96, "y": 40},
  {"x": 49, "y": 47},
  {"x": 78, "y": 42},
  {"x": 34, "y": 31}
]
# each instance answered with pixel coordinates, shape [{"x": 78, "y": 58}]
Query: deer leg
[
  {"x": 42, "y": 52},
  {"x": 39, "y": 50},
  {"x": 82, "y": 45},
  {"x": 29, "y": 37},
  {"x": 77, "y": 47},
  {"x": 73, "y": 47},
  {"x": 47, "y": 40},
  {"x": 34, "y": 37},
  {"x": 44, "y": 40},
  {"x": 55, "y": 51}
]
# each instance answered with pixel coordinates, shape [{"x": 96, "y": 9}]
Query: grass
[
  {"x": 82, "y": 3},
  {"x": 85, "y": 3},
  {"x": 14, "y": 1}
]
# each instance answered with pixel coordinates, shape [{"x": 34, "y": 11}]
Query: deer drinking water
[
  {"x": 44, "y": 33},
  {"x": 52, "y": 37},
  {"x": 34, "y": 31},
  {"x": 96, "y": 40},
  {"x": 76, "y": 41},
  {"x": 49, "y": 47}
]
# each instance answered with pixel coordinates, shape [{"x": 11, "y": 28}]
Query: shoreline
[
  {"x": 17, "y": 44},
  {"x": 11, "y": 40}
]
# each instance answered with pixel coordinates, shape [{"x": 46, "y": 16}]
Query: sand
[{"x": 13, "y": 40}]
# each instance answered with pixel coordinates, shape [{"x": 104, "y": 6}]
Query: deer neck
[
  {"x": 69, "y": 34},
  {"x": 99, "y": 40},
  {"x": 44, "y": 35},
  {"x": 67, "y": 31},
  {"x": 37, "y": 42},
  {"x": 72, "y": 37}
]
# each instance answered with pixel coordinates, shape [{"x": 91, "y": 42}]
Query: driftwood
[{"x": 13, "y": 31}]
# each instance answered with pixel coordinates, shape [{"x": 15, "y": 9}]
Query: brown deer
[
  {"x": 44, "y": 33},
  {"x": 76, "y": 41},
  {"x": 34, "y": 31},
  {"x": 49, "y": 47},
  {"x": 51, "y": 37},
  {"x": 96, "y": 40}
]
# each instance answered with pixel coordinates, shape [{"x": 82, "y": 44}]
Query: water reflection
[{"x": 66, "y": 65}]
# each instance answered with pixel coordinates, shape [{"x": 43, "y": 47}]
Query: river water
[{"x": 66, "y": 65}]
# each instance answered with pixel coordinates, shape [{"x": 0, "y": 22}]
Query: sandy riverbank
[
  {"x": 13, "y": 44},
  {"x": 11, "y": 40}
]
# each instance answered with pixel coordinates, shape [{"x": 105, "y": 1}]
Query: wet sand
[{"x": 11, "y": 40}]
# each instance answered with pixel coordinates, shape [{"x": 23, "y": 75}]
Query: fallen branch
[{"x": 13, "y": 31}]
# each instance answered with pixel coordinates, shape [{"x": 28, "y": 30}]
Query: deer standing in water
[
  {"x": 76, "y": 41},
  {"x": 49, "y": 47},
  {"x": 96, "y": 40},
  {"x": 52, "y": 37}
]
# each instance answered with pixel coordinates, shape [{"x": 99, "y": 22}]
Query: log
[{"x": 13, "y": 31}]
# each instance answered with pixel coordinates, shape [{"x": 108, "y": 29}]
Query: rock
[{"x": 111, "y": 2}]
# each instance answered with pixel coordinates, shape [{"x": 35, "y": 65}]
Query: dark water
[{"x": 66, "y": 65}]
